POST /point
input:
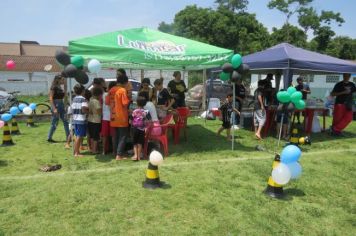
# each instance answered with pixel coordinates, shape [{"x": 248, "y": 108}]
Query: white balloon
[
  {"x": 281, "y": 174},
  {"x": 27, "y": 111},
  {"x": 156, "y": 158},
  {"x": 94, "y": 66}
]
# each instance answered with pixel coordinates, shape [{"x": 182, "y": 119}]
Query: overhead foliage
[
  {"x": 233, "y": 5},
  {"x": 221, "y": 27}
]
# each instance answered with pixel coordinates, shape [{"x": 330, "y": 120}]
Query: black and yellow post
[
  {"x": 30, "y": 122},
  {"x": 304, "y": 140},
  {"x": 6, "y": 139},
  {"x": 152, "y": 177},
  {"x": 273, "y": 189},
  {"x": 294, "y": 138},
  {"x": 14, "y": 127}
]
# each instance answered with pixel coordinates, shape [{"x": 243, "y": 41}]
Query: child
[
  {"x": 226, "y": 111},
  {"x": 259, "y": 110},
  {"x": 79, "y": 111},
  {"x": 139, "y": 116},
  {"x": 94, "y": 119},
  {"x": 106, "y": 130}
]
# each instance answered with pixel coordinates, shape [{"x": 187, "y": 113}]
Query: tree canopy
[{"x": 229, "y": 25}]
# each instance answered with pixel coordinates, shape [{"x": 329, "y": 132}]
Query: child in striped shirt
[{"x": 79, "y": 112}]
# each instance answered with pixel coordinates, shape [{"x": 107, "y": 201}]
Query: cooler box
[{"x": 246, "y": 120}]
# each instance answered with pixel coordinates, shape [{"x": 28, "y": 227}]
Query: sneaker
[{"x": 51, "y": 140}]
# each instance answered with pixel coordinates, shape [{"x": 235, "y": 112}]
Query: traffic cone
[
  {"x": 14, "y": 127},
  {"x": 294, "y": 138},
  {"x": 6, "y": 138},
  {"x": 273, "y": 189},
  {"x": 152, "y": 177},
  {"x": 304, "y": 140},
  {"x": 30, "y": 122}
]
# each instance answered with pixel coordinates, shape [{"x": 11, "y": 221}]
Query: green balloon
[
  {"x": 283, "y": 96},
  {"x": 224, "y": 76},
  {"x": 300, "y": 105},
  {"x": 78, "y": 61},
  {"x": 291, "y": 90},
  {"x": 296, "y": 96},
  {"x": 236, "y": 61}
]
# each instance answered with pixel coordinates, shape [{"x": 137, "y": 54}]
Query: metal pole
[
  {"x": 233, "y": 115},
  {"x": 70, "y": 104},
  {"x": 280, "y": 129}
]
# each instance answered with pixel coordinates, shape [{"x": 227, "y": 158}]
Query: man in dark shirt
[
  {"x": 305, "y": 90},
  {"x": 177, "y": 89},
  {"x": 162, "y": 99},
  {"x": 240, "y": 93},
  {"x": 342, "y": 114},
  {"x": 268, "y": 90}
]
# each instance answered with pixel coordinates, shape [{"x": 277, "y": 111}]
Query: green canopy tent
[{"x": 143, "y": 48}]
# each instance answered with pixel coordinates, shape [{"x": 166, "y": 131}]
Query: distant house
[{"x": 29, "y": 76}]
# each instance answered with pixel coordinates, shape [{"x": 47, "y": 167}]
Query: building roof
[{"x": 29, "y": 56}]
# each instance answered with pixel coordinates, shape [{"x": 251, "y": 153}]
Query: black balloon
[
  {"x": 235, "y": 76},
  {"x": 81, "y": 77},
  {"x": 227, "y": 68},
  {"x": 70, "y": 71},
  {"x": 243, "y": 69},
  {"x": 62, "y": 57}
]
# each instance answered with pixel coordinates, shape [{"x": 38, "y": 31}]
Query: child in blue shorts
[{"x": 79, "y": 112}]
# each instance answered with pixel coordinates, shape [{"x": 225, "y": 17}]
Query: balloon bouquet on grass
[
  {"x": 10, "y": 115},
  {"x": 233, "y": 72}
]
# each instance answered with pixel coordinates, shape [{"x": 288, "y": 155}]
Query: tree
[
  {"x": 222, "y": 27},
  {"x": 296, "y": 36},
  {"x": 342, "y": 47},
  {"x": 165, "y": 28},
  {"x": 233, "y": 5},
  {"x": 288, "y": 8}
]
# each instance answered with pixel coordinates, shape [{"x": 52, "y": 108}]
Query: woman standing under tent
[
  {"x": 177, "y": 88},
  {"x": 56, "y": 99}
]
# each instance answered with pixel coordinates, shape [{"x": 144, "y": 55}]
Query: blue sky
[{"x": 52, "y": 22}]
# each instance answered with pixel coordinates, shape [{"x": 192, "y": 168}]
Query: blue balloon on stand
[
  {"x": 290, "y": 153},
  {"x": 33, "y": 106},
  {"x": 6, "y": 117},
  {"x": 22, "y": 106},
  {"x": 14, "y": 111},
  {"x": 295, "y": 169}
]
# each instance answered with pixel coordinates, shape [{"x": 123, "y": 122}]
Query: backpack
[{"x": 138, "y": 120}]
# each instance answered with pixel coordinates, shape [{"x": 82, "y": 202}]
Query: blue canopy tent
[{"x": 287, "y": 59}]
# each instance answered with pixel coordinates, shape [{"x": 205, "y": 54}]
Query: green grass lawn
[{"x": 212, "y": 190}]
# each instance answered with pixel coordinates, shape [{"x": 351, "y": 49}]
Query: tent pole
[
  {"x": 142, "y": 74},
  {"x": 203, "y": 105},
  {"x": 233, "y": 116}
]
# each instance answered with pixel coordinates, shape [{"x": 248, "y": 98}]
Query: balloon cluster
[
  {"x": 234, "y": 70},
  {"x": 292, "y": 95},
  {"x": 289, "y": 167},
  {"x": 74, "y": 66},
  {"x": 27, "y": 110}
]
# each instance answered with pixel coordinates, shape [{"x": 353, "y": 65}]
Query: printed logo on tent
[{"x": 159, "y": 46}]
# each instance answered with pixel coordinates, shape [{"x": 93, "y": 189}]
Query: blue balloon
[
  {"x": 6, "y": 117},
  {"x": 295, "y": 169},
  {"x": 33, "y": 106},
  {"x": 290, "y": 153},
  {"x": 14, "y": 111},
  {"x": 22, "y": 106}
]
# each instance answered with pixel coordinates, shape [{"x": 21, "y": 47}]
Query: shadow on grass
[
  {"x": 3, "y": 163},
  {"x": 201, "y": 139},
  {"x": 294, "y": 192}
]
